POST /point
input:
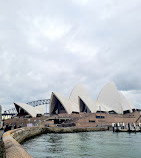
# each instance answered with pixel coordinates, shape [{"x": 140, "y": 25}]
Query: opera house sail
[
  {"x": 109, "y": 100},
  {"x": 83, "y": 99},
  {"x": 60, "y": 104},
  {"x": 26, "y": 109}
]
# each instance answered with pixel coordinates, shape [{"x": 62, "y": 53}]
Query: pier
[{"x": 117, "y": 127}]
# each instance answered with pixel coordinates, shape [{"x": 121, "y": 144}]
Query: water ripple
[{"x": 85, "y": 145}]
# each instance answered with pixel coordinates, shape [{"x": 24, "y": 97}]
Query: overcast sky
[{"x": 51, "y": 45}]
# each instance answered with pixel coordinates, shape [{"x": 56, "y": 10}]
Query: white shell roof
[
  {"x": 80, "y": 92},
  {"x": 126, "y": 105},
  {"x": 40, "y": 109},
  {"x": 102, "y": 107},
  {"x": 113, "y": 99},
  {"x": 32, "y": 111},
  {"x": 108, "y": 99},
  {"x": 66, "y": 103}
]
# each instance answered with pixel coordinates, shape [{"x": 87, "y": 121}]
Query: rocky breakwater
[{"x": 11, "y": 140}]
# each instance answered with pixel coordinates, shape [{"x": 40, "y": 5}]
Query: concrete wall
[
  {"x": 73, "y": 129},
  {"x": 12, "y": 139},
  {"x": 108, "y": 119}
]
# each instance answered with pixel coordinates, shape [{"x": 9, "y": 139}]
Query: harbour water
[{"x": 85, "y": 145}]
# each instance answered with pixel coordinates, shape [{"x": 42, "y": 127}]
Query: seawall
[
  {"x": 13, "y": 138},
  {"x": 73, "y": 129}
]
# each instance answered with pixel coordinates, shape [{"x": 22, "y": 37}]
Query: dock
[{"x": 117, "y": 127}]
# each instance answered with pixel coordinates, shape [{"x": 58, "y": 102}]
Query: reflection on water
[{"x": 91, "y": 145}]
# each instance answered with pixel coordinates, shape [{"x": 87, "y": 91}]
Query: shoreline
[{"x": 12, "y": 139}]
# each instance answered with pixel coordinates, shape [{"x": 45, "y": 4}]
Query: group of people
[{"x": 8, "y": 127}]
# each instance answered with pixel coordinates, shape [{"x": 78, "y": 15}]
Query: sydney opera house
[{"x": 109, "y": 100}]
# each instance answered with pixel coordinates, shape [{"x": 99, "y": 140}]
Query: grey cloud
[{"x": 52, "y": 45}]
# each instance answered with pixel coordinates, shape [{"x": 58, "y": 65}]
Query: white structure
[
  {"x": 109, "y": 100},
  {"x": 82, "y": 98},
  {"x": 26, "y": 109},
  {"x": 60, "y": 104}
]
